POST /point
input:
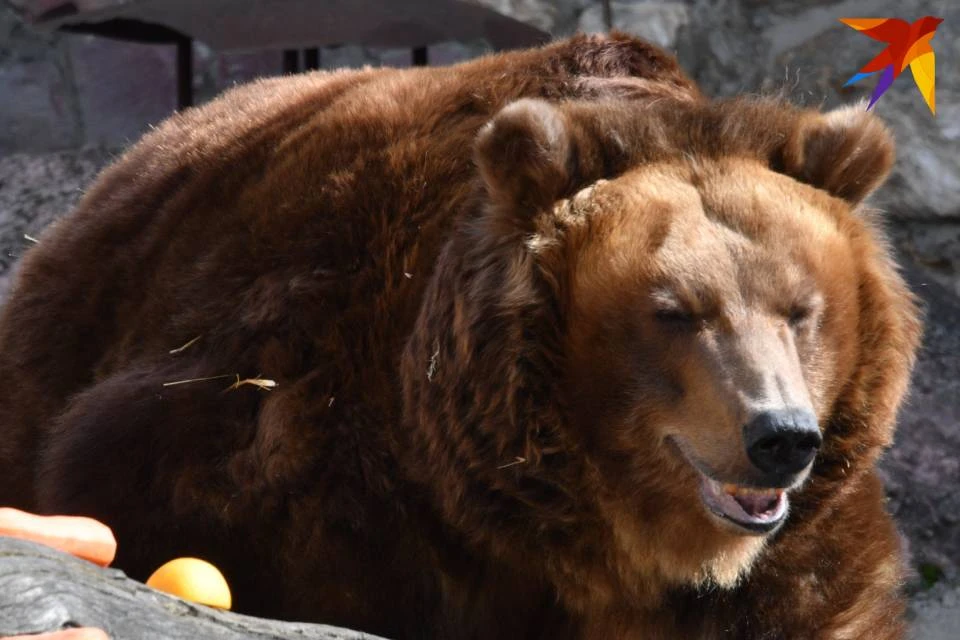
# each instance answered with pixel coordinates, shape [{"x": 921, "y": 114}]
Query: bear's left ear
[
  {"x": 847, "y": 152},
  {"x": 524, "y": 156}
]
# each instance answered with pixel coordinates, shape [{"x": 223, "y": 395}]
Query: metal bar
[
  {"x": 311, "y": 58},
  {"x": 419, "y": 58},
  {"x": 291, "y": 61},
  {"x": 184, "y": 72}
]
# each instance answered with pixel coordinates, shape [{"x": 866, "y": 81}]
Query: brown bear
[{"x": 541, "y": 345}]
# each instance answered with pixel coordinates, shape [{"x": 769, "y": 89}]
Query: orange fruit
[{"x": 192, "y": 579}]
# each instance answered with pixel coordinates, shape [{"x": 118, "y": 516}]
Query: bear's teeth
[
  {"x": 734, "y": 490},
  {"x": 751, "y": 491}
]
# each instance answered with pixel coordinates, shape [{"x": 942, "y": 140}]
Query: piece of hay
[
  {"x": 179, "y": 349},
  {"x": 261, "y": 383},
  {"x": 176, "y": 382},
  {"x": 432, "y": 368},
  {"x": 516, "y": 461}
]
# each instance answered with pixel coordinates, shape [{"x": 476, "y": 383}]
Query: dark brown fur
[{"x": 437, "y": 461}]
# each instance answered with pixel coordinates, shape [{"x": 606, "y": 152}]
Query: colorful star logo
[{"x": 907, "y": 44}]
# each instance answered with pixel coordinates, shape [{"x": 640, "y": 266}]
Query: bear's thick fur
[{"x": 518, "y": 312}]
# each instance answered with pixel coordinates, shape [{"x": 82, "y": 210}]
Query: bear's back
[{"x": 334, "y": 186}]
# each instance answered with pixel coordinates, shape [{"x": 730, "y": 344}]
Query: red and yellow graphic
[{"x": 907, "y": 44}]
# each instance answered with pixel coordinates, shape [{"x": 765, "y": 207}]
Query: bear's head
[{"x": 666, "y": 329}]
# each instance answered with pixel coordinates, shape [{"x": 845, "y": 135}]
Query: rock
[
  {"x": 35, "y": 107},
  {"x": 452, "y": 52},
  {"x": 934, "y": 246},
  {"x": 936, "y": 616},
  {"x": 37, "y": 100},
  {"x": 35, "y": 189},
  {"x": 803, "y": 51},
  {"x": 42, "y": 589},
  {"x": 657, "y": 22},
  {"x": 557, "y": 17},
  {"x": 922, "y": 469},
  {"x": 123, "y": 87},
  {"x": 214, "y": 72},
  {"x": 349, "y": 56}
]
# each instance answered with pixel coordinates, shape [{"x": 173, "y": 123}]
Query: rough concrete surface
[
  {"x": 922, "y": 469},
  {"x": 35, "y": 189}
]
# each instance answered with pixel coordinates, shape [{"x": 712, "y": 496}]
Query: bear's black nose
[{"x": 782, "y": 442}]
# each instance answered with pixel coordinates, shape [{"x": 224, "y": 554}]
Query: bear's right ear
[
  {"x": 847, "y": 152},
  {"x": 524, "y": 155}
]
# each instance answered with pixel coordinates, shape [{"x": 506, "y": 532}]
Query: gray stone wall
[
  {"x": 64, "y": 91},
  {"x": 69, "y": 103}
]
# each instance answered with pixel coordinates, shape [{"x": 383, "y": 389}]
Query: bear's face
[
  {"x": 712, "y": 317},
  {"x": 667, "y": 330}
]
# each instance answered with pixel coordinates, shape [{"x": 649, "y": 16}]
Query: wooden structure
[{"x": 298, "y": 27}]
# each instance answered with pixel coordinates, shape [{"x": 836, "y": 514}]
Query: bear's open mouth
[{"x": 755, "y": 510}]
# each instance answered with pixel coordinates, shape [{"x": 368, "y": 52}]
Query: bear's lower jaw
[{"x": 747, "y": 510}]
